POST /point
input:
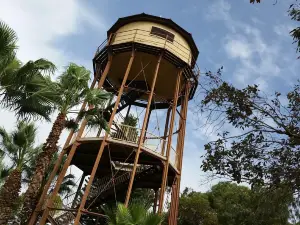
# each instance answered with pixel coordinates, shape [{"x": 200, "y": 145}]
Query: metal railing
[
  {"x": 151, "y": 142},
  {"x": 147, "y": 37}
]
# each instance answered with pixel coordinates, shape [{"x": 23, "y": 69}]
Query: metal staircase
[
  {"x": 98, "y": 188},
  {"x": 126, "y": 100},
  {"x": 104, "y": 184},
  {"x": 107, "y": 183}
]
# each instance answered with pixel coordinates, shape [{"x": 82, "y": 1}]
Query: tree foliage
[
  {"x": 195, "y": 209},
  {"x": 23, "y": 87},
  {"x": 19, "y": 147},
  {"x": 265, "y": 150},
  {"x": 8, "y": 46},
  {"x": 137, "y": 213},
  {"x": 231, "y": 204}
]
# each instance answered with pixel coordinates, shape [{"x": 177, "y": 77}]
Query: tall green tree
[
  {"x": 231, "y": 204},
  {"x": 195, "y": 209},
  {"x": 71, "y": 89},
  {"x": 236, "y": 205},
  {"x": 19, "y": 147}
]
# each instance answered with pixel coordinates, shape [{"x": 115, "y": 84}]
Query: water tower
[{"x": 149, "y": 65}]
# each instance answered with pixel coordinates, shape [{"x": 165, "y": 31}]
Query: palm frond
[
  {"x": 8, "y": 39},
  {"x": 71, "y": 124},
  {"x": 25, "y": 134},
  {"x": 75, "y": 77},
  {"x": 30, "y": 162},
  {"x": 152, "y": 219},
  {"x": 19, "y": 144},
  {"x": 5, "y": 136},
  {"x": 10, "y": 68},
  {"x": 110, "y": 212},
  {"x": 67, "y": 185},
  {"x": 6, "y": 142},
  {"x": 98, "y": 122},
  {"x": 44, "y": 66},
  {"x": 131, "y": 120},
  {"x": 4, "y": 172},
  {"x": 97, "y": 97},
  {"x": 95, "y": 118},
  {"x": 138, "y": 212},
  {"x": 28, "y": 92},
  {"x": 123, "y": 215},
  {"x": 73, "y": 84}
]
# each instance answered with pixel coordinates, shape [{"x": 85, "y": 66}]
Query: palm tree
[
  {"x": 18, "y": 146},
  {"x": 72, "y": 89},
  {"x": 137, "y": 213}
]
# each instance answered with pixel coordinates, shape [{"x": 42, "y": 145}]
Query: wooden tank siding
[
  {"x": 142, "y": 32},
  {"x": 100, "y": 59}
]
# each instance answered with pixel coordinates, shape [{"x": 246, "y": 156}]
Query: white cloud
[
  {"x": 219, "y": 10},
  {"x": 282, "y": 29},
  {"x": 38, "y": 24},
  {"x": 257, "y": 21},
  {"x": 245, "y": 43},
  {"x": 238, "y": 48}
]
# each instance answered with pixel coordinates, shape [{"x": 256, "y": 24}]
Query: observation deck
[{"x": 123, "y": 141}]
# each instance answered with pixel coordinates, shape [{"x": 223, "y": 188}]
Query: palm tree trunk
[
  {"x": 43, "y": 162},
  {"x": 9, "y": 195}
]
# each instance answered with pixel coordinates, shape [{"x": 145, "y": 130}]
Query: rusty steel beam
[
  {"x": 166, "y": 131},
  {"x": 141, "y": 140},
  {"x": 103, "y": 144},
  {"x": 169, "y": 143},
  {"x": 173, "y": 200},
  {"x": 180, "y": 148}
]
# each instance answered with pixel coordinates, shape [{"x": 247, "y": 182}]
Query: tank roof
[{"x": 167, "y": 22}]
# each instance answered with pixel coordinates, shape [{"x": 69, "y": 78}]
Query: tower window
[{"x": 162, "y": 33}]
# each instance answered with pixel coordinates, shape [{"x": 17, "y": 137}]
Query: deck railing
[{"x": 151, "y": 141}]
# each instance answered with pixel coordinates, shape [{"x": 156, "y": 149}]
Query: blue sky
[{"x": 250, "y": 41}]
